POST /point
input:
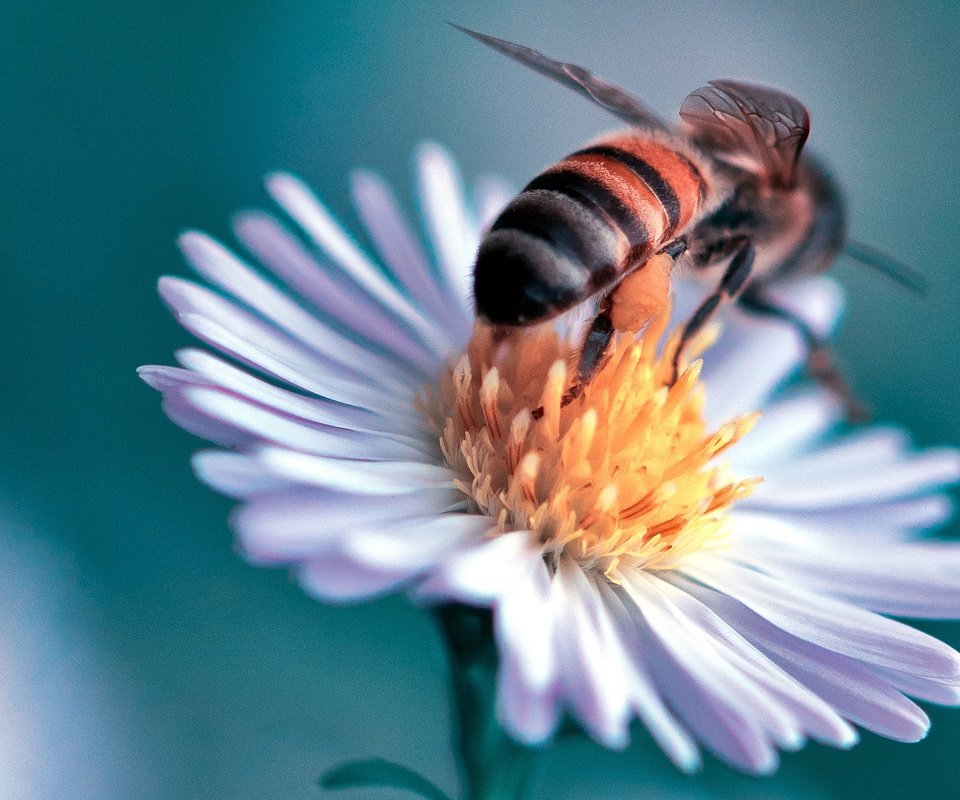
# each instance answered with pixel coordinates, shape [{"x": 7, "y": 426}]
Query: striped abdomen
[{"x": 578, "y": 226}]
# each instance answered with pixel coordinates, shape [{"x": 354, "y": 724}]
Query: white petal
[
  {"x": 490, "y": 196},
  {"x": 337, "y": 577},
  {"x": 251, "y": 340},
  {"x": 592, "y": 664},
  {"x": 528, "y": 705},
  {"x": 452, "y": 232},
  {"x": 730, "y": 713},
  {"x": 194, "y": 421},
  {"x": 416, "y": 543},
  {"x": 869, "y": 525},
  {"x": 529, "y": 715},
  {"x": 207, "y": 369},
  {"x": 848, "y": 685},
  {"x": 756, "y": 353},
  {"x": 481, "y": 575},
  {"x": 523, "y": 623},
  {"x": 398, "y": 247},
  {"x": 222, "y": 268},
  {"x": 273, "y": 357},
  {"x": 341, "y": 303},
  {"x": 370, "y": 478},
  {"x": 164, "y": 379},
  {"x": 756, "y": 358},
  {"x": 832, "y": 624},
  {"x": 905, "y": 579},
  {"x": 299, "y": 523},
  {"x": 815, "y": 717},
  {"x": 235, "y": 474},
  {"x": 854, "y": 451},
  {"x": 946, "y": 694},
  {"x": 818, "y": 301},
  {"x": 731, "y": 693},
  {"x": 301, "y": 204},
  {"x": 269, "y": 426},
  {"x": 869, "y": 483},
  {"x": 666, "y": 730},
  {"x": 786, "y": 427},
  {"x": 352, "y": 571}
]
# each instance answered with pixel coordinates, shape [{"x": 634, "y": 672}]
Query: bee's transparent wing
[
  {"x": 613, "y": 98},
  {"x": 762, "y": 126}
]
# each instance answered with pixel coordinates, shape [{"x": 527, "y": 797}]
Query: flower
[{"x": 644, "y": 552}]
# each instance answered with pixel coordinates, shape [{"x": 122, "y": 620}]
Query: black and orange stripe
[{"x": 579, "y": 225}]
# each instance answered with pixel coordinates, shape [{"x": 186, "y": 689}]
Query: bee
[{"x": 729, "y": 188}]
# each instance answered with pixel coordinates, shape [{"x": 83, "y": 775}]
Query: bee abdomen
[
  {"x": 596, "y": 197},
  {"x": 578, "y": 227},
  {"x": 548, "y": 250},
  {"x": 654, "y": 175}
]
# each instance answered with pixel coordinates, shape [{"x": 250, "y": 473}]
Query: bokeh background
[{"x": 139, "y": 657}]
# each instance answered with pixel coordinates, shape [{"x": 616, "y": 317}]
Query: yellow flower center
[{"x": 623, "y": 474}]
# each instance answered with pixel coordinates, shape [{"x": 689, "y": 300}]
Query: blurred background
[{"x": 139, "y": 656}]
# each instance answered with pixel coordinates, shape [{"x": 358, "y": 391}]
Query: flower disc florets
[{"x": 623, "y": 473}]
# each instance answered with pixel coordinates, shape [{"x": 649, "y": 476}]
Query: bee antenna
[{"x": 888, "y": 266}]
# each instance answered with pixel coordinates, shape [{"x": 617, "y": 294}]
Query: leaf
[{"x": 379, "y": 772}]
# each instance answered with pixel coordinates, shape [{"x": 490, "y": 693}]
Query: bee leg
[
  {"x": 733, "y": 280},
  {"x": 596, "y": 344},
  {"x": 820, "y": 360},
  {"x": 674, "y": 249},
  {"x": 593, "y": 355}
]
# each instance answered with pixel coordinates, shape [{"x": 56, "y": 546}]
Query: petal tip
[
  {"x": 192, "y": 242},
  {"x": 150, "y": 374},
  {"x": 280, "y": 182}
]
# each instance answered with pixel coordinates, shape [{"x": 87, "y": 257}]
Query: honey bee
[{"x": 730, "y": 187}]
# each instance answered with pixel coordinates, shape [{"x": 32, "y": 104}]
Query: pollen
[{"x": 625, "y": 474}]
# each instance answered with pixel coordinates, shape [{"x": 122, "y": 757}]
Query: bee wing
[
  {"x": 765, "y": 126},
  {"x": 613, "y": 98}
]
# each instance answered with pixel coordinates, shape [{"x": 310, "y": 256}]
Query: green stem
[{"x": 492, "y": 765}]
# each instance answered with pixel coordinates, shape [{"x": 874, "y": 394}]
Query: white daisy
[{"x": 632, "y": 572}]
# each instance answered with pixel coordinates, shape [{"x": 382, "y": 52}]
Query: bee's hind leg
[
  {"x": 648, "y": 282},
  {"x": 595, "y": 350},
  {"x": 820, "y": 360},
  {"x": 653, "y": 279},
  {"x": 734, "y": 279},
  {"x": 593, "y": 354}
]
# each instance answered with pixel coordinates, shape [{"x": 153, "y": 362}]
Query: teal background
[{"x": 141, "y": 657}]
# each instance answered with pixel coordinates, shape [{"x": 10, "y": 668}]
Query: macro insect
[{"x": 729, "y": 188}]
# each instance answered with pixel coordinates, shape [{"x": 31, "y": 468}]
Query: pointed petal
[
  {"x": 848, "y": 685},
  {"x": 370, "y": 478},
  {"x": 299, "y": 523},
  {"x": 728, "y": 711},
  {"x": 831, "y": 624},
  {"x": 398, "y": 247},
  {"x": 301, "y": 204},
  {"x": 222, "y": 268},
  {"x": 481, "y": 575},
  {"x": 342, "y": 305},
  {"x": 452, "y": 232},
  {"x": 592, "y": 664}
]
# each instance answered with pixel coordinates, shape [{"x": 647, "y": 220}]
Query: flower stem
[{"x": 492, "y": 765}]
